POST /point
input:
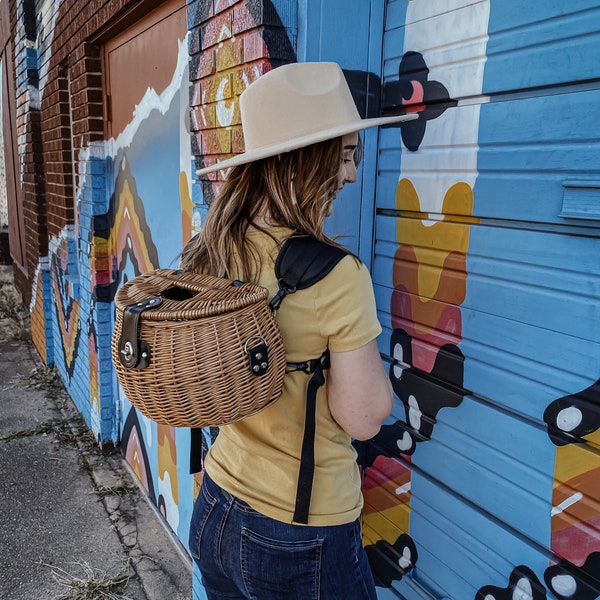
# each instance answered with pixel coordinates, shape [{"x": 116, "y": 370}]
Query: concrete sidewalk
[{"x": 74, "y": 523}]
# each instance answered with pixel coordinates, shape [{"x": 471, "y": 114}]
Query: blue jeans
[{"x": 243, "y": 554}]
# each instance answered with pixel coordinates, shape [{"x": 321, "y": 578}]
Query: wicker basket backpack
[{"x": 193, "y": 350}]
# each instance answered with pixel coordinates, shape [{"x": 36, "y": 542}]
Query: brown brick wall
[
  {"x": 72, "y": 114},
  {"x": 230, "y": 47},
  {"x": 28, "y": 136},
  {"x": 71, "y": 109}
]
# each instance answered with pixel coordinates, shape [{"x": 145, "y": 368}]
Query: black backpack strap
[
  {"x": 302, "y": 262},
  {"x": 196, "y": 453},
  {"x": 307, "y": 457}
]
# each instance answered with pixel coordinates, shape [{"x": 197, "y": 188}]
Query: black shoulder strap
[{"x": 302, "y": 262}]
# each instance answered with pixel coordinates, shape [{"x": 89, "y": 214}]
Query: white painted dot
[
  {"x": 405, "y": 561},
  {"x": 414, "y": 413},
  {"x": 523, "y": 590},
  {"x": 398, "y": 352},
  {"x": 398, "y": 358},
  {"x": 406, "y": 442},
  {"x": 398, "y": 371},
  {"x": 565, "y": 585},
  {"x": 569, "y": 418}
]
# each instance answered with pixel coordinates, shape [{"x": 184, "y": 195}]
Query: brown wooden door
[
  {"x": 142, "y": 56},
  {"x": 16, "y": 223}
]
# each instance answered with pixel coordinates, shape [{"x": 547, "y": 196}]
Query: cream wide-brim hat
[{"x": 296, "y": 105}]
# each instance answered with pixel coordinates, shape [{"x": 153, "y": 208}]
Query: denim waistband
[{"x": 220, "y": 494}]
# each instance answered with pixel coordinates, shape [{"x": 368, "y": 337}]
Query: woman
[{"x": 300, "y": 129}]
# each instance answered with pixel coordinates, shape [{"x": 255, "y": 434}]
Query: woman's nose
[{"x": 350, "y": 172}]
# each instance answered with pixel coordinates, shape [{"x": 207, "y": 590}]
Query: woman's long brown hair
[{"x": 294, "y": 189}]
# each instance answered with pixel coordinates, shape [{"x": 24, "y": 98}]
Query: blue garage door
[{"x": 485, "y": 483}]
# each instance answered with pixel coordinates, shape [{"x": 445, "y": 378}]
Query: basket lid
[{"x": 188, "y": 295}]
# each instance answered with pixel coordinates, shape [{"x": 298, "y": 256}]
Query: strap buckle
[
  {"x": 284, "y": 290},
  {"x": 310, "y": 366}
]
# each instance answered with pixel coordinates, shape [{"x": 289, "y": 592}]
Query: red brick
[
  {"x": 216, "y": 30},
  {"x": 242, "y": 20},
  {"x": 221, "y": 5},
  {"x": 254, "y": 47},
  {"x": 203, "y": 117},
  {"x": 237, "y": 141}
]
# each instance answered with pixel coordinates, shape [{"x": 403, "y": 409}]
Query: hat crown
[{"x": 295, "y": 101}]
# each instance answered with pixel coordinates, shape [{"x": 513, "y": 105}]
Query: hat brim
[{"x": 301, "y": 142}]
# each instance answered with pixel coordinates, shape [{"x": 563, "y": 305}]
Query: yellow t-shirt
[{"x": 257, "y": 459}]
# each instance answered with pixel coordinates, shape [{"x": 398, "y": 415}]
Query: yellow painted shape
[
  {"x": 126, "y": 212},
  {"x": 388, "y": 524},
  {"x": 573, "y": 460},
  {"x": 38, "y": 329},
  {"x": 167, "y": 457},
  {"x": 433, "y": 242},
  {"x": 186, "y": 208}
]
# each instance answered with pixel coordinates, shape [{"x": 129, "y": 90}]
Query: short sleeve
[{"x": 345, "y": 305}]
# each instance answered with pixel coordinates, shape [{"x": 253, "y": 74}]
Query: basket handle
[{"x": 134, "y": 353}]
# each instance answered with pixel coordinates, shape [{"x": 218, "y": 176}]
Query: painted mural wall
[
  {"x": 134, "y": 213},
  {"x": 485, "y": 483},
  {"x": 136, "y": 206}
]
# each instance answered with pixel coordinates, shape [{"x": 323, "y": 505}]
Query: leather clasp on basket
[
  {"x": 258, "y": 355},
  {"x": 134, "y": 353}
]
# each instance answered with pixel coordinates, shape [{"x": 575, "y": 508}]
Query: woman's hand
[{"x": 359, "y": 391}]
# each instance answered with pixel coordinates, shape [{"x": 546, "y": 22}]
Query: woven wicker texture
[{"x": 199, "y": 373}]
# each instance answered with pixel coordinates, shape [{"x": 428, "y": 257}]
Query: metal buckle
[{"x": 134, "y": 353}]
